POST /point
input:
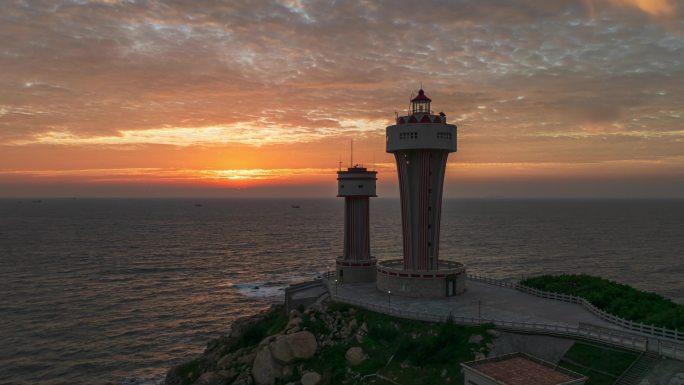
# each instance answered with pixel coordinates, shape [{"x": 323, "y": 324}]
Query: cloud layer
[{"x": 529, "y": 81}]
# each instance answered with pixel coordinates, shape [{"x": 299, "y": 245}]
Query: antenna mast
[{"x": 351, "y": 155}]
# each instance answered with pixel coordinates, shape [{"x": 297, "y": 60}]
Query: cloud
[{"x": 270, "y": 73}]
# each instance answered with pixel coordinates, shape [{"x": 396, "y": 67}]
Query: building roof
[
  {"x": 421, "y": 97},
  {"x": 523, "y": 369}
]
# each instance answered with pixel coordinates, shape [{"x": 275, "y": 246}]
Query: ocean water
[{"x": 117, "y": 291}]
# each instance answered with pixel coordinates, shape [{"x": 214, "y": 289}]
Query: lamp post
[
  {"x": 389, "y": 300},
  {"x": 335, "y": 288},
  {"x": 479, "y": 310}
]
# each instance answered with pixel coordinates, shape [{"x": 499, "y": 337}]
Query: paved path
[{"x": 495, "y": 303}]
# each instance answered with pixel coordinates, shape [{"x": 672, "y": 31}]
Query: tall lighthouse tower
[
  {"x": 421, "y": 142},
  {"x": 356, "y": 264}
]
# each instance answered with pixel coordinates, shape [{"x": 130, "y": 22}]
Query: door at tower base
[{"x": 356, "y": 271}]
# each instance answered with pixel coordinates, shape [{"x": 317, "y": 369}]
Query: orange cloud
[{"x": 655, "y": 8}]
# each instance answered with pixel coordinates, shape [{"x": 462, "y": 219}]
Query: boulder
[
  {"x": 303, "y": 344},
  {"x": 280, "y": 350},
  {"x": 209, "y": 378},
  {"x": 293, "y": 322},
  {"x": 225, "y": 361},
  {"x": 228, "y": 375},
  {"x": 311, "y": 378},
  {"x": 354, "y": 356},
  {"x": 475, "y": 339},
  {"x": 244, "y": 379},
  {"x": 287, "y": 372},
  {"x": 247, "y": 358},
  {"x": 265, "y": 370}
]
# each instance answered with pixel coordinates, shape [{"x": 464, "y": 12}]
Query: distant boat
[
  {"x": 37, "y": 201},
  {"x": 295, "y": 206},
  {"x": 198, "y": 205}
]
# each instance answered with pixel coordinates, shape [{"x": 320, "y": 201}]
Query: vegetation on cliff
[
  {"x": 351, "y": 345},
  {"x": 615, "y": 298},
  {"x": 404, "y": 351}
]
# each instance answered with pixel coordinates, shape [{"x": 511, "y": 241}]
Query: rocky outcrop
[
  {"x": 272, "y": 348},
  {"x": 227, "y": 360}
]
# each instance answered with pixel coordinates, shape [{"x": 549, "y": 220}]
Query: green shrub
[
  {"x": 615, "y": 298},
  {"x": 273, "y": 322}
]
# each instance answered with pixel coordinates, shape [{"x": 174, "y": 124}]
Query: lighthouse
[
  {"x": 421, "y": 142},
  {"x": 356, "y": 185}
]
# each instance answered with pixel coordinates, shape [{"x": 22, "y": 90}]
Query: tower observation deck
[{"x": 421, "y": 143}]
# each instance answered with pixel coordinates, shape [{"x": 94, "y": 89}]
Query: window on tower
[{"x": 408, "y": 135}]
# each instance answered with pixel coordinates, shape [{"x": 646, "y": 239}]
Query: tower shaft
[
  {"x": 356, "y": 229},
  {"x": 421, "y": 178}
]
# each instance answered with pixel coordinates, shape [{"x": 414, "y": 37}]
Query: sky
[{"x": 262, "y": 98}]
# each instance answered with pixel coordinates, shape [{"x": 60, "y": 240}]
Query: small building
[{"x": 518, "y": 369}]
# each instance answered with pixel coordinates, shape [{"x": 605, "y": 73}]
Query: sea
[{"x": 116, "y": 291}]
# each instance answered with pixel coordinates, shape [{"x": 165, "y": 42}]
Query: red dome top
[{"x": 421, "y": 97}]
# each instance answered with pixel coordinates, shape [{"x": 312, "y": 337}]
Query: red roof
[
  {"x": 421, "y": 97},
  {"x": 522, "y": 371}
]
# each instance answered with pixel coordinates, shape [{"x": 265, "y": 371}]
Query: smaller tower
[{"x": 356, "y": 264}]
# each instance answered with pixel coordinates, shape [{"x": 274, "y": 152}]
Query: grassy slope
[
  {"x": 615, "y": 298},
  {"x": 592, "y": 360}
]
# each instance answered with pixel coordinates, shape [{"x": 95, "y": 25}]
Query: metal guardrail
[
  {"x": 631, "y": 342},
  {"x": 584, "y": 331},
  {"x": 660, "y": 332}
]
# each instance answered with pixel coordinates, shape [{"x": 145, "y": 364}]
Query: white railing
[
  {"x": 670, "y": 334},
  {"x": 608, "y": 336}
]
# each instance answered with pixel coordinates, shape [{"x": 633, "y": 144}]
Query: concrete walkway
[{"x": 495, "y": 303}]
